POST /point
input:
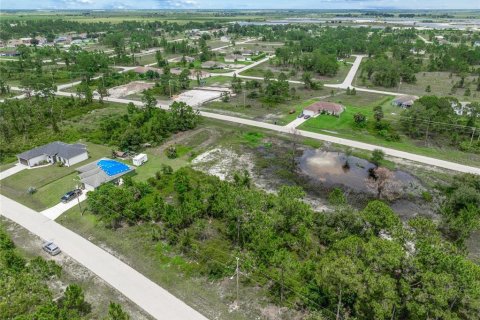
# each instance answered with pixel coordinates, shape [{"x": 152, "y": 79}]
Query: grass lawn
[
  {"x": 51, "y": 182},
  {"x": 155, "y": 163},
  {"x": 344, "y": 127}
]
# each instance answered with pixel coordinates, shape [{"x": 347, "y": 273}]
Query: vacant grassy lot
[
  {"x": 253, "y": 108},
  {"x": 441, "y": 84},
  {"x": 51, "y": 182},
  {"x": 259, "y": 71}
]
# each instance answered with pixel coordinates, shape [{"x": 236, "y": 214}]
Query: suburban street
[
  {"x": 287, "y": 129},
  {"x": 350, "y": 143},
  {"x": 155, "y": 300}
]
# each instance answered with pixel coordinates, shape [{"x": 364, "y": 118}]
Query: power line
[{"x": 235, "y": 257}]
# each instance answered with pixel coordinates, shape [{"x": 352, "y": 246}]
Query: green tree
[
  {"x": 115, "y": 312},
  {"x": 377, "y": 156}
]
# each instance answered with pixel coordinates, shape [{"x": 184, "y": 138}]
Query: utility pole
[
  {"x": 237, "y": 275},
  {"x": 237, "y": 272},
  {"x": 426, "y": 134}
]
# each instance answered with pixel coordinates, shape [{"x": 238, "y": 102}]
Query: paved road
[
  {"x": 350, "y": 143},
  {"x": 155, "y": 300},
  {"x": 347, "y": 82},
  {"x": 425, "y": 40},
  {"x": 9, "y": 172}
]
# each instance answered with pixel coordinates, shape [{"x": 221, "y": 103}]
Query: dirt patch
[
  {"x": 223, "y": 163},
  {"x": 129, "y": 89},
  {"x": 193, "y": 138},
  {"x": 97, "y": 292}
]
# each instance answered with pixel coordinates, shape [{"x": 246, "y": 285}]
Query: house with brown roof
[{"x": 323, "y": 107}]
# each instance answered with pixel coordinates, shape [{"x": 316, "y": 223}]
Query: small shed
[{"x": 140, "y": 159}]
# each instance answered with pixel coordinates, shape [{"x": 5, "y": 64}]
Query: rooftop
[
  {"x": 57, "y": 148},
  {"x": 325, "y": 106},
  {"x": 104, "y": 170}
]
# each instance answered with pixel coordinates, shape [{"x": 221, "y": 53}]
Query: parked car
[
  {"x": 51, "y": 248},
  {"x": 70, "y": 195},
  {"x": 307, "y": 116},
  {"x": 300, "y": 115}
]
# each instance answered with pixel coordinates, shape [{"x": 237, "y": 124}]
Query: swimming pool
[{"x": 112, "y": 167}]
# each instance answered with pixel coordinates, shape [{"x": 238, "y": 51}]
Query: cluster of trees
[
  {"x": 36, "y": 68},
  {"x": 388, "y": 72},
  {"x": 346, "y": 264},
  {"x": 26, "y": 295},
  {"x": 50, "y": 28},
  {"x": 433, "y": 117},
  {"x": 167, "y": 83},
  {"x": 461, "y": 208},
  {"x": 271, "y": 92},
  {"x": 35, "y": 121},
  {"x": 145, "y": 125}
]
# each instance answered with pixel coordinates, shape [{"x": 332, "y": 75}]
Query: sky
[{"x": 239, "y": 4}]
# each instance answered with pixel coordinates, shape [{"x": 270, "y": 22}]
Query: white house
[{"x": 68, "y": 154}]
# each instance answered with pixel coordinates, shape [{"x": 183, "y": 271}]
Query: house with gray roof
[
  {"x": 404, "y": 101},
  {"x": 96, "y": 173},
  {"x": 68, "y": 154}
]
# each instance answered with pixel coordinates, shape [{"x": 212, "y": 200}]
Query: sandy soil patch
[
  {"x": 129, "y": 89},
  {"x": 197, "y": 97}
]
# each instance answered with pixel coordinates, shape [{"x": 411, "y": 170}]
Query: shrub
[
  {"x": 427, "y": 196},
  {"x": 337, "y": 197},
  {"x": 172, "y": 152},
  {"x": 377, "y": 156},
  {"x": 31, "y": 190}
]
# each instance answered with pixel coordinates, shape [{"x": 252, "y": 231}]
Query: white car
[{"x": 51, "y": 248}]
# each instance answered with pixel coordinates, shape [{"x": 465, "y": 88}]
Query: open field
[
  {"x": 440, "y": 83},
  {"x": 242, "y": 106},
  {"x": 259, "y": 71}
]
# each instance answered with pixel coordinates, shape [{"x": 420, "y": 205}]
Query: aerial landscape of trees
[
  {"x": 351, "y": 263},
  {"x": 322, "y": 251}
]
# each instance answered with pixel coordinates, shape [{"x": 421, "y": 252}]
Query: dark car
[
  {"x": 70, "y": 195},
  {"x": 307, "y": 116},
  {"x": 51, "y": 248}
]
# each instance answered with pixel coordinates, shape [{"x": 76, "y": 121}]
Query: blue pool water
[{"x": 112, "y": 167}]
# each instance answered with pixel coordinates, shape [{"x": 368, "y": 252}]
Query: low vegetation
[
  {"x": 25, "y": 292},
  {"x": 329, "y": 264}
]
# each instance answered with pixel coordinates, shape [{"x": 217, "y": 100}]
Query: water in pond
[{"x": 329, "y": 168}]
